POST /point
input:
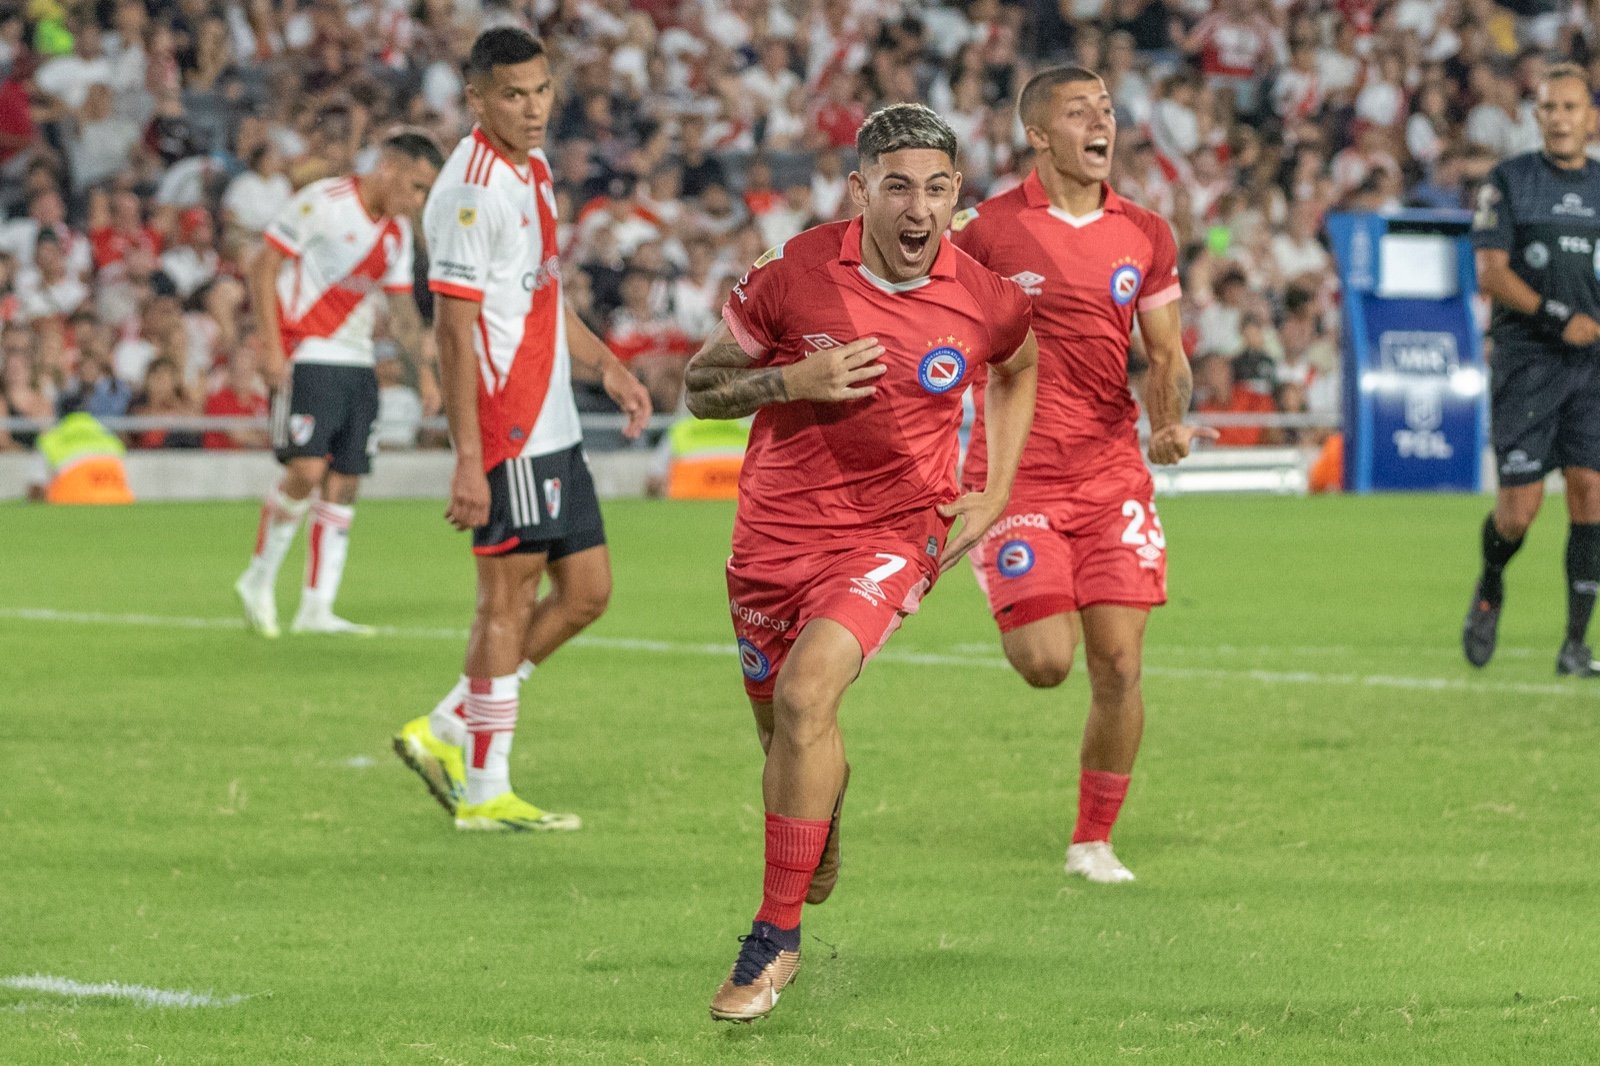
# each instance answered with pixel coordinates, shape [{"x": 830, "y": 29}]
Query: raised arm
[
  {"x": 454, "y": 321},
  {"x": 1008, "y": 415},
  {"x": 625, "y": 390},
  {"x": 1168, "y": 386},
  {"x": 723, "y": 381}
]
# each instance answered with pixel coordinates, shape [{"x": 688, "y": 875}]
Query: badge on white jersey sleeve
[
  {"x": 460, "y": 243},
  {"x": 295, "y": 223}
]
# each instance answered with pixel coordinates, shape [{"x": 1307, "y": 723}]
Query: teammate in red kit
[
  {"x": 507, "y": 342},
  {"x": 852, "y": 344},
  {"x": 1080, "y": 549}
]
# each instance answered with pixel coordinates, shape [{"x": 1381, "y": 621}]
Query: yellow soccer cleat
[
  {"x": 507, "y": 812},
  {"x": 442, "y": 767}
]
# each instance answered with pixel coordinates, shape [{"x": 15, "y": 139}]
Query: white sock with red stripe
[
  {"x": 280, "y": 518},
  {"x": 491, "y": 719},
  {"x": 448, "y": 719},
  {"x": 328, "y": 545}
]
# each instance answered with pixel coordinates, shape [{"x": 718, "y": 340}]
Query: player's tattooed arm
[
  {"x": 1169, "y": 386},
  {"x": 412, "y": 338},
  {"x": 722, "y": 382}
]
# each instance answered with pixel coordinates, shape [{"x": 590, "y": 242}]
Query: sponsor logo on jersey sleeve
[
  {"x": 1014, "y": 558},
  {"x": 1125, "y": 281},
  {"x": 962, "y": 218},
  {"x": 943, "y": 366},
  {"x": 466, "y": 216},
  {"x": 1536, "y": 255}
]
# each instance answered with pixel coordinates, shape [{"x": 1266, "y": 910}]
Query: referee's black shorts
[
  {"x": 542, "y": 504},
  {"x": 1544, "y": 403}
]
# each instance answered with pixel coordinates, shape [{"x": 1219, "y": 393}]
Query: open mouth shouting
[
  {"x": 1098, "y": 150},
  {"x": 914, "y": 242}
]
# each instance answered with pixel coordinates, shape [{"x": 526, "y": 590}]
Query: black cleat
[
  {"x": 1481, "y": 629},
  {"x": 1576, "y": 660}
]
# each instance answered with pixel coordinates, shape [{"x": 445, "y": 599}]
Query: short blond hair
[{"x": 1557, "y": 71}]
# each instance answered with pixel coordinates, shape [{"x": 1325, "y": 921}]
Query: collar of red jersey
[
  {"x": 944, "y": 264},
  {"x": 1033, "y": 189},
  {"x": 522, "y": 172}
]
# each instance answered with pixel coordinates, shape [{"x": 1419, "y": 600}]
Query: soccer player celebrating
[
  {"x": 314, "y": 286},
  {"x": 1080, "y": 549},
  {"x": 1538, "y": 258},
  {"x": 506, "y": 345},
  {"x": 852, "y": 344}
]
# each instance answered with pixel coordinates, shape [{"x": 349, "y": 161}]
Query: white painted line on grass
[
  {"x": 904, "y": 658},
  {"x": 142, "y": 995}
]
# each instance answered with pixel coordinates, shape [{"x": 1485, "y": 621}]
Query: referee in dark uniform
[{"x": 1536, "y": 232}]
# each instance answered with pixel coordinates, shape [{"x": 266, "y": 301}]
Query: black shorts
[
  {"x": 542, "y": 504},
  {"x": 1544, "y": 411},
  {"x": 327, "y": 412}
]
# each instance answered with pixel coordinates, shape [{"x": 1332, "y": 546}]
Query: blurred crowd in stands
[{"x": 144, "y": 145}]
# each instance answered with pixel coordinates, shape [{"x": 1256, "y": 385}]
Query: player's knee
[
  {"x": 1041, "y": 668},
  {"x": 584, "y": 606},
  {"x": 1114, "y": 672},
  {"x": 804, "y": 709}
]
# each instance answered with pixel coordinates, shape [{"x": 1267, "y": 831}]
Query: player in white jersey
[
  {"x": 507, "y": 343},
  {"x": 315, "y": 287}
]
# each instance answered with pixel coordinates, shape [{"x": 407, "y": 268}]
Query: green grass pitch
[{"x": 1351, "y": 847}]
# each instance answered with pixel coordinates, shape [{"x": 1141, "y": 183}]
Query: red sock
[
  {"x": 1100, "y": 796},
  {"x": 793, "y": 847}
]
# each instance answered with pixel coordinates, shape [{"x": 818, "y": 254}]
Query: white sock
[
  {"x": 280, "y": 518},
  {"x": 491, "y": 720},
  {"x": 448, "y": 720},
  {"x": 328, "y": 545}
]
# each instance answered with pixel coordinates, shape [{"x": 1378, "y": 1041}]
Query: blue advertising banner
[{"x": 1415, "y": 384}]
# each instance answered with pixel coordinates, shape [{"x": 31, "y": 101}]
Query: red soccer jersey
[
  {"x": 1087, "y": 277},
  {"x": 818, "y": 476}
]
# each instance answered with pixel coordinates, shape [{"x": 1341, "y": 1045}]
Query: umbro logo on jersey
[
  {"x": 821, "y": 341},
  {"x": 1031, "y": 283}
]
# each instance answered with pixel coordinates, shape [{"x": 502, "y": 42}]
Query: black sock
[
  {"x": 1583, "y": 577},
  {"x": 1497, "y": 552}
]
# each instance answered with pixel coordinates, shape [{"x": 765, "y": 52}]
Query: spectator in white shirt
[
  {"x": 67, "y": 78},
  {"x": 100, "y": 143},
  {"x": 48, "y": 289},
  {"x": 255, "y": 197},
  {"x": 193, "y": 262},
  {"x": 1297, "y": 252}
]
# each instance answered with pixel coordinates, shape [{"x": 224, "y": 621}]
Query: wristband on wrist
[{"x": 1555, "y": 315}]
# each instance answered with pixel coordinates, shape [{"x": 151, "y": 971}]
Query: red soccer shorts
[
  {"x": 1102, "y": 543},
  {"x": 865, "y": 590}
]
